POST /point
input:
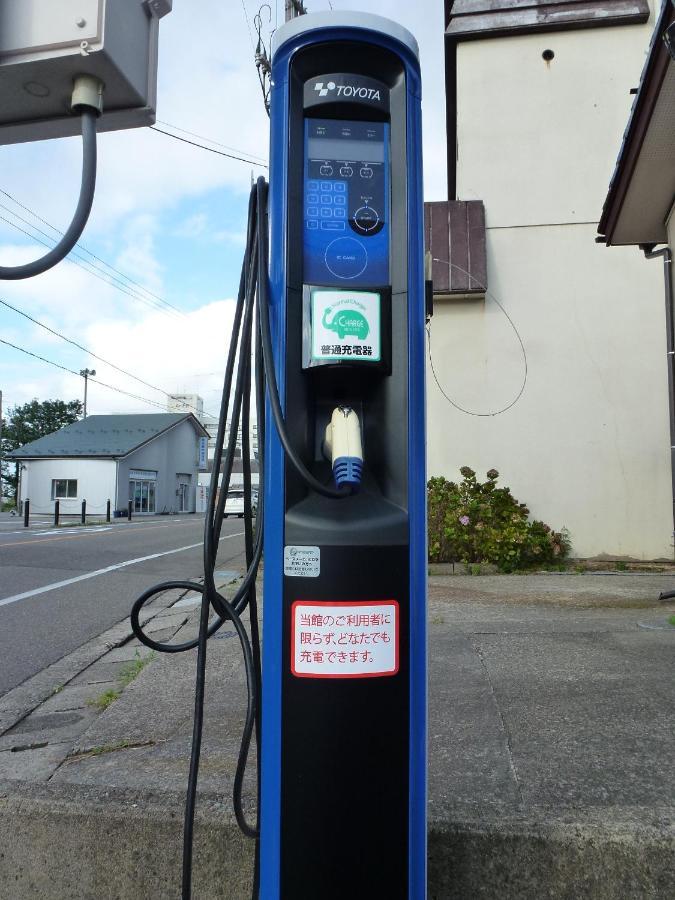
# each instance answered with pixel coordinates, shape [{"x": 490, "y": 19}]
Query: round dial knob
[{"x": 366, "y": 219}]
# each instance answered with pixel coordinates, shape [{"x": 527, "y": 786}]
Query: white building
[
  {"x": 538, "y": 99},
  {"x": 191, "y": 403},
  {"x": 150, "y": 460}
]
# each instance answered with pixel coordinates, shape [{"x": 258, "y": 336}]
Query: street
[{"x": 62, "y": 587}]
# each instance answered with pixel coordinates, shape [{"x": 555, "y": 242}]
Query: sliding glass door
[{"x": 142, "y": 494}]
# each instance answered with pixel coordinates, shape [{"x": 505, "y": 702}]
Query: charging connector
[{"x": 342, "y": 445}]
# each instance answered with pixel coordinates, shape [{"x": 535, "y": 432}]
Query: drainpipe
[{"x": 666, "y": 254}]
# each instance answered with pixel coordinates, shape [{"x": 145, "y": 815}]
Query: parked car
[{"x": 234, "y": 505}]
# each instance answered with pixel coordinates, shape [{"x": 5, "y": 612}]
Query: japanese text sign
[{"x": 352, "y": 639}]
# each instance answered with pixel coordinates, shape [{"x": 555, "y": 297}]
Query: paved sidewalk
[{"x": 551, "y": 739}]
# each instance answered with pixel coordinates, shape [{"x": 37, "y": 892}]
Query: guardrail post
[
  {"x": 107, "y": 511},
  {"x": 84, "y": 511},
  {"x": 129, "y": 510},
  {"x": 26, "y": 512},
  {"x": 57, "y": 506}
]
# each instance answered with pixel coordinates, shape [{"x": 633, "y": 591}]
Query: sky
[{"x": 168, "y": 218}]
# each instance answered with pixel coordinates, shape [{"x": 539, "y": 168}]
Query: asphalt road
[{"x": 42, "y": 618}]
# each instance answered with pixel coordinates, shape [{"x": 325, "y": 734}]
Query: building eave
[{"x": 657, "y": 67}]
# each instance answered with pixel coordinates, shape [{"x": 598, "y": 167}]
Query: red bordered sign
[{"x": 344, "y": 639}]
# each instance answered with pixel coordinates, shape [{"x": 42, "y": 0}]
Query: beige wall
[{"x": 587, "y": 446}]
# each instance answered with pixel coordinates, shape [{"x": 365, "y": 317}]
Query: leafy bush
[{"x": 474, "y": 522}]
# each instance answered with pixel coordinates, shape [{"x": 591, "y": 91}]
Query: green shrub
[{"x": 474, "y": 522}]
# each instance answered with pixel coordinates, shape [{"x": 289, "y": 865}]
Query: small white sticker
[
  {"x": 302, "y": 562},
  {"x": 344, "y": 639}
]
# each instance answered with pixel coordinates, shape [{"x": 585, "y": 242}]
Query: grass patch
[
  {"x": 671, "y": 620},
  {"x": 134, "y": 669},
  {"x": 103, "y": 701},
  {"x": 131, "y": 671}
]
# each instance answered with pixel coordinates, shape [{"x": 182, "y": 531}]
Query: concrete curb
[
  {"x": 77, "y": 842},
  {"x": 26, "y": 697}
]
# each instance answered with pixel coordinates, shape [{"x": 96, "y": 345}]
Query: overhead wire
[
  {"x": 176, "y": 137},
  {"x": 73, "y": 372},
  {"x": 80, "y": 247},
  {"x": 211, "y": 140},
  {"x": 119, "y": 286},
  {"x": 91, "y": 352},
  {"x": 84, "y": 249}
]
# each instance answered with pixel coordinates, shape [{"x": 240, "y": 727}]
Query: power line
[
  {"x": 210, "y": 140},
  {"x": 81, "y": 247},
  {"x": 248, "y": 23},
  {"x": 80, "y": 346},
  {"x": 91, "y": 353},
  {"x": 120, "y": 286},
  {"x": 73, "y": 372},
  {"x": 250, "y": 162}
]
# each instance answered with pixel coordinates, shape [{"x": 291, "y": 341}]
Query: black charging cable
[{"x": 251, "y": 336}]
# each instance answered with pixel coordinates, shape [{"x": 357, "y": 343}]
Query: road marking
[
  {"x": 66, "y": 534},
  {"x": 91, "y": 529},
  {"x": 129, "y": 562}
]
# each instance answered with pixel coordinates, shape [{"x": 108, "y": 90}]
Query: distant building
[
  {"x": 190, "y": 403},
  {"x": 152, "y": 460}
]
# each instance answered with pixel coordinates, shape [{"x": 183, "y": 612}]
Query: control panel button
[
  {"x": 326, "y": 198},
  {"x": 312, "y": 199},
  {"x": 366, "y": 219},
  {"x": 340, "y": 200},
  {"x": 312, "y": 212},
  {"x": 346, "y": 258},
  {"x": 332, "y": 225},
  {"x": 346, "y": 171},
  {"x": 340, "y": 187},
  {"x": 312, "y": 224},
  {"x": 312, "y": 185},
  {"x": 327, "y": 171},
  {"x": 326, "y": 212},
  {"x": 366, "y": 172}
]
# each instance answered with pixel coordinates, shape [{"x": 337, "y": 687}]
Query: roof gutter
[{"x": 666, "y": 254}]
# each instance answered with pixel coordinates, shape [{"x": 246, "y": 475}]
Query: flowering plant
[{"x": 473, "y": 522}]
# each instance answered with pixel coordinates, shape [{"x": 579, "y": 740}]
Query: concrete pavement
[{"x": 551, "y": 755}]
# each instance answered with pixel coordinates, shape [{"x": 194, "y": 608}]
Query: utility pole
[
  {"x": 294, "y": 8},
  {"x": 85, "y": 373}
]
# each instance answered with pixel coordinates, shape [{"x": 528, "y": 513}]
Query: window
[{"x": 64, "y": 488}]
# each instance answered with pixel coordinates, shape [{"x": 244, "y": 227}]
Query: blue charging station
[{"x": 343, "y": 789}]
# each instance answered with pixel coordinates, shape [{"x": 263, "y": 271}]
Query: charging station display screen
[{"x": 346, "y": 202}]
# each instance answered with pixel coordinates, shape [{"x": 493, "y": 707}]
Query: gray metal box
[{"x": 45, "y": 44}]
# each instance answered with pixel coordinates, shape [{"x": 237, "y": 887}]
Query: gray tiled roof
[{"x": 101, "y": 436}]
